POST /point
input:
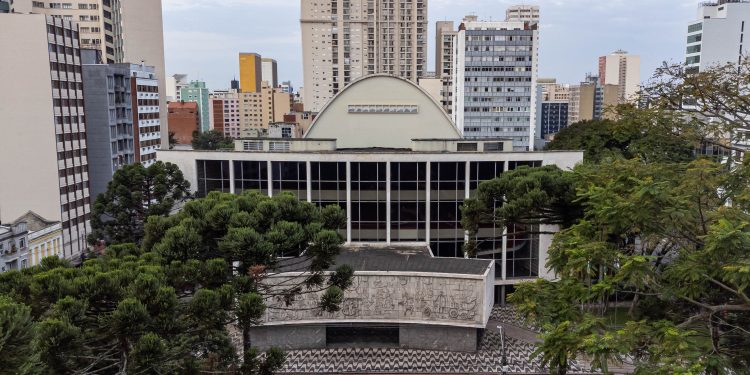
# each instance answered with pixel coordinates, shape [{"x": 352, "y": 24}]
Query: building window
[
  {"x": 290, "y": 177},
  {"x": 213, "y": 175},
  {"x": 447, "y": 194},
  {"x": 251, "y": 175},
  {"x": 408, "y": 202},
  {"x": 368, "y": 216}
]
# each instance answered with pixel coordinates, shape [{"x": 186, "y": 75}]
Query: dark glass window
[
  {"x": 408, "y": 202},
  {"x": 250, "y": 175},
  {"x": 523, "y": 252},
  {"x": 513, "y": 165},
  {"x": 368, "y": 216},
  {"x": 447, "y": 194},
  {"x": 290, "y": 177},
  {"x": 213, "y": 175}
]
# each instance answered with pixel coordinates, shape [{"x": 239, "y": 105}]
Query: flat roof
[{"x": 417, "y": 259}]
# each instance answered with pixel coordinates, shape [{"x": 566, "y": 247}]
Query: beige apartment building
[
  {"x": 43, "y": 133},
  {"x": 622, "y": 69},
  {"x": 242, "y": 114},
  {"x": 129, "y": 31},
  {"x": 590, "y": 100},
  {"x": 343, "y": 40}
]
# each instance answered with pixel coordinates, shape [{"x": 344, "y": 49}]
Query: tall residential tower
[
  {"x": 622, "y": 69},
  {"x": 343, "y": 40},
  {"x": 717, "y": 36}
]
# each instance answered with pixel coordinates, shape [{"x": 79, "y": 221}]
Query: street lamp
[{"x": 504, "y": 362}]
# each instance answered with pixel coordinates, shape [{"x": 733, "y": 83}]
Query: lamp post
[{"x": 504, "y": 358}]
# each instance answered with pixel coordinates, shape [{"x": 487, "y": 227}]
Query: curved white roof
[{"x": 382, "y": 111}]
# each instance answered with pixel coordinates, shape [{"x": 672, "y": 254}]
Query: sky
[{"x": 203, "y": 37}]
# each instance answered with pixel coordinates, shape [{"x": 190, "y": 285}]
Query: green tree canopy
[
  {"x": 211, "y": 140},
  {"x": 134, "y": 194}
]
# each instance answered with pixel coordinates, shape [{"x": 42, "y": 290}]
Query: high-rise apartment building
[
  {"x": 196, "y": 91},
  {"x": 282, "y": 104},
  {"x": 43, "y": 133},
  {"x": 175, "y": 84},
  {"x": 553, "y": 101},
  {"x": 622, "y": 69},
  {"x": 251, "y": 72},
  {"x": 592, "y": 101},
  {"x": 522, "y": 13},
  {"x": 717, "y": 36},
  {"x": 109, "y": 115},
  {"x": 494, "y": 85},
  {"x": 445, "y": 57},
  {"x": 147, "y": 109},
  {"x": 128, "y": 31},
  {"x": 269, "y": 69},
  {"x": 225, "y": 112},
  {"x": 343, "y": 40}
]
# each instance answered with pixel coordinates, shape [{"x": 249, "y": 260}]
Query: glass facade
[
  {"x": 408, "y": 202},
  {"x": 213, "y": 175},
  {"x": 416, "y": 202},
  {"x": 447, "y": 194},
  {"x": 251, "y": 175},
  {"x": 369, "y": 203}
]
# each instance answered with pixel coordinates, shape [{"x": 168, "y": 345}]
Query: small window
[
  {"x": 279, "y": 146},
  {"x": 252, "y": 146},
  {"x": 493, "y": 147},
  {"x": 467, "y": 147}
]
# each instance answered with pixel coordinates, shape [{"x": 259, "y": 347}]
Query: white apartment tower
[
  {"x": 494, "y": 79},
  {"x": 343, "y": 40},
  {"x": 717, "y": 36},
  {"x": 445, "y": 58},
  {"x": 129, "y": 31},
  {"x": 43, "y": 134},
  {"x": 623, "y": 69}
]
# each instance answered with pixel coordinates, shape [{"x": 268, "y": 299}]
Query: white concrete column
[
  {"x": 231, "y": 177},
  {"x": 388, "y": 202},
  {"x": 504, "y": 272},
  {"x": 348, "y": 202},
  {"x": 467, "y": 194},
  {"x": 309, "y": 181},
  {"x": 428, "y": 209},
  {"x": 270, "y": 178}
]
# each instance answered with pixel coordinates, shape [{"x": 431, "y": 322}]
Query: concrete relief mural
[{"x": 403, "y": 298}]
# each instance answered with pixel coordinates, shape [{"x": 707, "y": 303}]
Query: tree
[
  {"x": 650, "y": 134},
  {"x": 713, "y": 103},
  {"x": 674, "y": 236},
  {"x": 529, "y": 196},
  {"x": 252, "y": 232},
  {"x": 211, "y": 140},
  {"x": 134, "y": 194},
  {"x": 16, "y": 334}
]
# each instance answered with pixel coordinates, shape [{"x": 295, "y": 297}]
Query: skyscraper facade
[
  {"x": 495, "y": 80},
  {"x": 717, "y": 35},
  {"x": 109, "y": 114},
  {"x": 123, "y": 31},
  {"x": 251, "y": 72},
  {"x": 622, "y": 69},
  {"x": 196, "y": 91},
  {"x": 147, "y": 120},
  {"x": 269, "y": 69},
  {"x": 343, "y": 40},
  {"x": 445, "y": 58},
  {"x": 43, "y": 132}
]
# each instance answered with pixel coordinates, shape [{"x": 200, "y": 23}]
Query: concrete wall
[
  {"x": 452, "y": 339},
  {"x": 97, "y": 133},
  {"x": 288, "y": 337},
  {"x": 27, "y": 129}
]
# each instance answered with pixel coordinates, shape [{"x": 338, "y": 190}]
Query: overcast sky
[{"x": 203, "y": 37}]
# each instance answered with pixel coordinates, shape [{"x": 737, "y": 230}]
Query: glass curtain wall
[
  {"x": 408, "y": 206},
  {"x": 368, "y": 216}
]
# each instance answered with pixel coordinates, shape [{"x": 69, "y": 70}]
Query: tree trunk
[
  {"x": 246, "y": 339},
  {"x": 631, "y": 311}
]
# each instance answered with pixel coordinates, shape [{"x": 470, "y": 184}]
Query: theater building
[{"x": 386, "y": 152}]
